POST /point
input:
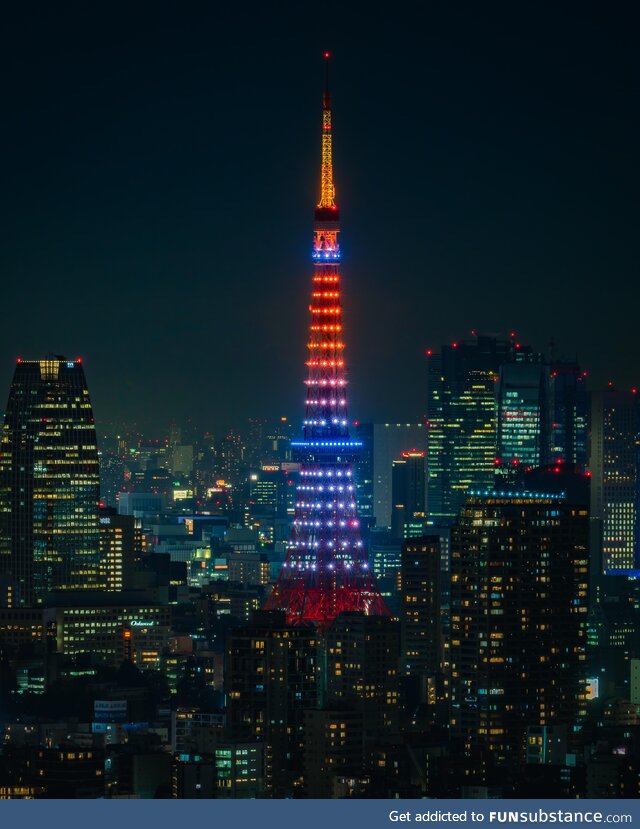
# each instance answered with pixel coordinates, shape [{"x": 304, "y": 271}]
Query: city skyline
[
  {"x": 445, "y": 607},
  {"x": 140, "y": 213}
]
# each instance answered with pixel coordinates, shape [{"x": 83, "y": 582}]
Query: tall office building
[
  {"x": 382, "y": 444},
  {"x": 461, "y": 420},
  {"x": 121, "y": 544},
  {"x": 268, "y": 491},
  {"x": 569, "y": 401},
  {"x": 614, "y": 483},
  {"x": 363, "y": 470},
  {"x": 408, "y": 484},
  {"x": 49, "y": 482},
  {"x": 276, "y": 447},
  {"x": 519, "y": 583},
  {"x": 524, "y": 416},
  {"x": 269, "y": 496}
]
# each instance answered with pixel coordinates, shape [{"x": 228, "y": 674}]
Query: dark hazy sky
[{"x": 160, "y": 166}]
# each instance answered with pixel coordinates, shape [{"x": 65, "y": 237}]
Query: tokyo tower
[{"x": 326, "y": 571}]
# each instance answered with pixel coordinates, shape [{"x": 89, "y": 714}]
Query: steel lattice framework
[{"x": 326, "y": 571}]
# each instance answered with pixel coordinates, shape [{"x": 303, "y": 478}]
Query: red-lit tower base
[{"x": 326, "y": 571}]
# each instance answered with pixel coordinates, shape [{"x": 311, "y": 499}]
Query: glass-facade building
[
  {"x": 493, "y": 407},
  {"x": 382, "y": 444},
  {"x": 49, "y": 482},
  {"x": 569, "y": 403},
  {"x": 461, "y": 421},
  {"x": 408, "y": 483},
  {"x": 524, "y": 422}
]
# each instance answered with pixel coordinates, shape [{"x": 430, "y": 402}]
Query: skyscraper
[
  {"x": 49, "y": 482},
  {"x": 267, "y": 505},
  {"x": 363, "y": 470},
  {"x": 461, "y": 421},
  {"x": 569, "y": 414},
  {"x": 524, "y": 422},
  {"x": 408, "y": 482},
  {"x": 519, "y": 583},
  {"x": 384, "y": 442},
  {"x": 423, "y": 621},
  {"x": 326, "y": 570},
  {"x": 614, "y": 483},
  {"x": 271, "y": 678}
]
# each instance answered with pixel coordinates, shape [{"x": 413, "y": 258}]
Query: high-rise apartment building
[
  {"x": 49, "y": 482},
  {"x": 362, "y": 670},
  {"x": 271, "y": 678},
  {"x": 519, "y": 583},
  {"x": 423, "y": 622},
  {"x": 333, "y": 746}
]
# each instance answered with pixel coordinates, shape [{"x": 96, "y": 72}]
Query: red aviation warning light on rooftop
[{"x": 326, "y": 571}]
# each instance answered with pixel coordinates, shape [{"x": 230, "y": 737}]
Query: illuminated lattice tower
[{"x": 326, "y": 571}]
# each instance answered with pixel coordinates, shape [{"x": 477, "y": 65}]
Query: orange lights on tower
[
  {"x": 327, "y": 189},
  {"x": 326, "y": 571}
]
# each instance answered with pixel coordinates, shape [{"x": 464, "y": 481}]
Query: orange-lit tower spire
[
  {"x": 327, "y": 189},
  {"x": 326, "y": 571}
]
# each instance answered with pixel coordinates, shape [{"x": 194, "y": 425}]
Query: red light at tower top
[
  {"x": 327, "y": 55},
  {"x": 326, "y": 571}
]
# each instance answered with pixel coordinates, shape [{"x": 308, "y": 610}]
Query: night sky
[{"x": 160, "y": 168}]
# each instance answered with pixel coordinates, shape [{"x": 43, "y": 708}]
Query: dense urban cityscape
[{"x": 314, "y": 606}]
